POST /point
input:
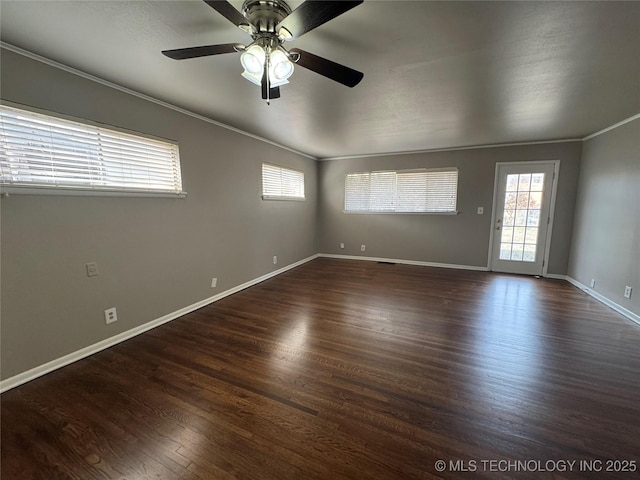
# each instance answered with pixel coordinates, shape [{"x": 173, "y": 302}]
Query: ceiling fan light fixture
[
  {"x": 252, "y": 59},
  {"x": 281, "y": 66}
]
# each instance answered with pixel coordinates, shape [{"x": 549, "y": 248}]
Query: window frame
[
  {"x": 394, "y": 200},
  {"x": 290, "y": 198},
  {"x": 89, "y": 189}
]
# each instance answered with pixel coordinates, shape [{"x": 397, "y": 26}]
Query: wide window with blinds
[
  {"x": 279, "y": 183},
  {"x": 405, "y": 191},
  {"x": 44, "y": 154}
]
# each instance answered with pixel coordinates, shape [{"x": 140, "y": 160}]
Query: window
[
  {"x": 44, "y": 154},
  {"x": 406, "y": 191},
  {"x": 280, "y": 183}
]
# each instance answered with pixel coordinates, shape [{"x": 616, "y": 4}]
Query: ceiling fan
[{"x": 271, "y": 23}]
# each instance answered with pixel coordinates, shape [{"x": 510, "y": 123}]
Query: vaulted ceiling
[{"x": 436, "y": 74}]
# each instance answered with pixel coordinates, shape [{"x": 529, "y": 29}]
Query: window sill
[
  {"x": 285, "y": 199},
  {"x": 6, "y": 190},
  {"x": 348, "y": 212}
]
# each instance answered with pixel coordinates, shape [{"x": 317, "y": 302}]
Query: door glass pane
[
  {"x": 505, "y": 251},
  {"x": 507, "y": 235},
  {"x": 521, "y": 217},
  {"x": 537, "y": 182},
  {"x": 518, "y": 235},
  {"x": 523, "y": 200},
  {"x": 535, "y": 200},
  {"x": 512, "y": 183},
  {"x": 531, "y": 237},
  {"x": 524, "y": 184},
  {"x": 533, "y": 218},
  {"x": 509, "y": 217},
  {"x": 529, "y": 254},
  {"x": 517, "y": 250}
]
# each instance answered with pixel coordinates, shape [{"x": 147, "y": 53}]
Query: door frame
[{"x": 552, "y": 208}]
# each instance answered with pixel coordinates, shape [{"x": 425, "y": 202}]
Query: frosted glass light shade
[
  {"x": 252, "y": 59},
  {"x": 281, "y": 67}
]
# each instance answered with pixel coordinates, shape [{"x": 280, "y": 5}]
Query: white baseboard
[
  {"x": 40, "y": 370},
  {"x": 556, "y": 276},
  {"x": 405, "y": 262},
  {"x": 601, "y": 298}
]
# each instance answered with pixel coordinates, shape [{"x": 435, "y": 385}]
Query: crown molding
[
  {"x": 615, "y": 125},
  {"x": 454, "y": 149}
]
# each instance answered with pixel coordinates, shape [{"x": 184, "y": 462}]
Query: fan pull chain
[{"x": 266, "y": 66}]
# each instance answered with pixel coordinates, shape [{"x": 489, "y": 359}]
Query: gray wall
[
  {"x": 606, "y": 233},
  {"x": 155, "y": 255},
  {"x": 451, "y": 239}
]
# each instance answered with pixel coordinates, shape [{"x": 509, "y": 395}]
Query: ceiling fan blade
[
  {"x": 228, "y": 11},
  {"x": 312, "y": 14},
  {"x": 339, "y": 73},
  {"x": 193, "y": 52}
]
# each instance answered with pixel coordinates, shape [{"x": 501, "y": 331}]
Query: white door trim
[{"x": 552, "y": 208}]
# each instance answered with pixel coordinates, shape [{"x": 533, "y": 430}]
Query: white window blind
[
  {"x": 409, "y": 191},
  {"x": 43, "y": 152},
  {"x": 280, "y": 183}
]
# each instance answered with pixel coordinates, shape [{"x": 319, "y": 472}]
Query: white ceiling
[{"x": 436, "y": 74}]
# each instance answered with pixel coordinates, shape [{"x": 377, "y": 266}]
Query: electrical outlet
[
  {"x": 593, "y": 283},
  {"x": 214, "y": 282},
  {"x": 363, "y": 248},
  {"x": 275, "y": 259},
  {"x": 627, "y": 291},
  {"x": 110, "y": 315},
  {"x": 342, "y": 245},
  {"x": 92, "y": 269}
]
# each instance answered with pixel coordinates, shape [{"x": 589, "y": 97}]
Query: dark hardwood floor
[{"x": 348, "y": 370}]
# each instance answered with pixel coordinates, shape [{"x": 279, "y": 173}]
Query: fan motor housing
[{"x": 264, "y": 15}]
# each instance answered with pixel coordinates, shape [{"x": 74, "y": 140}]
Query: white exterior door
[{"x": 521, "y": 216}]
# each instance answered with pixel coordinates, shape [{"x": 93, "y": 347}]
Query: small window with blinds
[
  {"x": 280, "y": 183},
  {"x": 406, "y": 191},
  {"x": 48, "y": 155}
]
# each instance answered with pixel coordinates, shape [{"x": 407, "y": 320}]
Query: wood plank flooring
[{"x": 348, "y": 370}]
